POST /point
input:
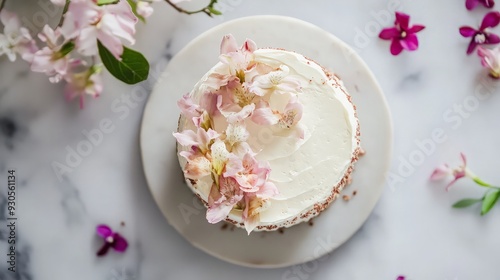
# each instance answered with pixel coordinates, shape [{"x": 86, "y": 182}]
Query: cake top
[{"x": 238, "y": 93}]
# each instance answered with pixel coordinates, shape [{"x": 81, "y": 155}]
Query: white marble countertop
[{"x": 413, "y": 231}]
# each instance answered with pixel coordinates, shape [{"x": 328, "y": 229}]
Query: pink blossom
[
  {"x": 220, "y": 155},
  {"x": 200, "y": 139},
  {"x": 482, "y": 36},
  {"x": 403, "y": 36},
  {"x": 223, "y": 199},
  {"x": 279, "y": 81},
  {"x": 490, "y": 59},
  {"x": 15, "y": 38},
  {"x": 198, "y": 165},
  {"x": 256, "y": 203},
  {"x": 199, "y": 114},
  {"x": 88, "y": 22},
  {"x": 264, "y": 115},
  {"x": 471, "y": 4},
  {"x": 52, "y": 59},
  {"x": 235, "y": 102},
  {"x": 236, "y": 133},
  {"x": 79, "y": 84},
  {"x": 250, "y": 174},
  {"x": 444, "y": 171},
  {"x": 144, "y": 8}
]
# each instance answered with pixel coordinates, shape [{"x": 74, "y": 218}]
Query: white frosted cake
[{"x": 267, "y": 138}]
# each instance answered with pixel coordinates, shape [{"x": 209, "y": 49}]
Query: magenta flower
[
  {"x": 112, "y": 240},
  {"x": 458, "y": 173},
  {"x": 403, "y": 35},
  {"x": 482, "y": 36},
  {"x": 401, "y": 277},
  {"x": 471, "y": 4}
]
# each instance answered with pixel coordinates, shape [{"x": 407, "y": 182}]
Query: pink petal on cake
[
  {"x": 249, "y": 46},
  {"x": 218, "y": 213},
  {"x": 228, "y": 44},
  {"x": 186, "y": 138}
]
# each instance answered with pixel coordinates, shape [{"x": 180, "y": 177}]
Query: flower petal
[
  {"x": 120, "y": 244},
  {"x": 249, "y": 46},
  {"x": 104, "y": 231},
  {"x": 104, "y": 249},
  {"x": 492, "y": 39},
  {"x": 467, "y": 31},
  {"x": 389, "y": 33},
  {"x": 410, "y": 42},
  {"x": 403, "y": 20},
  {"x": 187, "y": 138},
  {"x": 267, "y": 190},
  {"x": 416, "y": 28},
  {"x": 264, "y": 116},
  {"x": 228, "y": 44},
  {"x": 464, "y": 160},
  {"x": 491, "y": 19},
  {"x": 472, "y": 46},
  {"x": 440, "y": 172},
  {"x": 396, "y": 47},
  {"x": 471, "y": 4},
  {"x": 218, "y": 212}
]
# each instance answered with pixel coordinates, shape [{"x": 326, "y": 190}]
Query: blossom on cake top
[{"x": 237, "y": 93}]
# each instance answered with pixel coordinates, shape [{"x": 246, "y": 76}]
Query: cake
[{"x": 267, "y": 138}]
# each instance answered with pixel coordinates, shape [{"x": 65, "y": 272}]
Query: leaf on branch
[
  {"x": 131, "y": 69},
  {"x": 489, "y": 201},
  {"x": 466, "y": 202}
]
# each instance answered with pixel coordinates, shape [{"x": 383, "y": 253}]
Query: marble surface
[{"x": 413, "y": 230}]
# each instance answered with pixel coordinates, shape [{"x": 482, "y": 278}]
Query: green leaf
[
  {"x": 466, "y": 202},
  {"x": 489, "y": 201},
  {"x": 67, "y": 48},
  {"x": 107, "y": 2},
  {"x": 131, "y": 69},
  {"x": 213, "y": 11},
  {"x": 481, "y": 182},
  {"x": 133, "y": 5}
]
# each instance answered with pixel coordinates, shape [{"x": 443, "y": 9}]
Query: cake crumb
[
  {"x": 346, "y": 198},
  {"x": 349, "y": 179},
  {"x": 281, "y": 230},
  {"x": 361, "y": 152},
  {"x": 311, "y": 223},
  {"x": 355, "y": 192},
  {"x": 122, "y": 223},
  {"x": 224, "y": 226}
]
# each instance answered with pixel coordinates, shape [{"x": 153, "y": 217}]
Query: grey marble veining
[{"x": 413, "y": 231}]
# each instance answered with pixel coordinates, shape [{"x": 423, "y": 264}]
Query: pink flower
[
  {"x": 111, "y": 240},
  {"x": 403, "y": 36},
  {"x": 83, "y": 83},
  {"x": 279, "y": 81},
  {"x": 222, "y": 200},
  {"x": 482, "y": 36},
  {"x": 401, "y": 277},
  {"x": 199, "y": 114},
  {"x": 264, "y": 115},
  {"x": 471, "y": 4},
  {"x": 144, "y": 8},
  {"x": 88, "y": 22},
  {"x": 220, "y": 155},
  {"x": 444, "y": 170},
  {"x": 52, "y": 59},
  {"x": 490, "y": 59},
  {"x": 15, "y": 38},
  {"x": 236, "y": 133},
  {"x": 250, "y": 174},
  {"x": 256, "y": 203},
  {"x": 201, "y": 139},
  {"x": 198, "y": 165}
]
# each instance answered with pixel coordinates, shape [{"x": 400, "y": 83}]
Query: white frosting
[{"x": 305, "y": 171}]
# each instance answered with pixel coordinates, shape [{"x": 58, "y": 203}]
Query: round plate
[{"x": 297, "y": 244}]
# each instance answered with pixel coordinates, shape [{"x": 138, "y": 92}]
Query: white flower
[
  {"x": 15, "y": 38},
  {"x": 279, "y": 81}
]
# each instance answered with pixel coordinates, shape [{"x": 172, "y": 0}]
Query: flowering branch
[
  {"x": 209, "y": 10},
  {"x": 488, "y": 200}
]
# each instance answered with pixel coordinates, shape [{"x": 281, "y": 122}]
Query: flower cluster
[
  {"x": 239, "y": 91},
  {"x": 488, "y": 200},
  {"x": 88, "y": 29}
]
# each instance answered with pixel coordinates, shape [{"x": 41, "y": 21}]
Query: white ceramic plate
[{"x": 300, "y": 243}]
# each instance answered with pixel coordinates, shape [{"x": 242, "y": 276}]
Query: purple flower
[
  {"x": 471, "y": 4},
  {"x": 482, "y": 36},
  {"x": 402, "y": 35},
  {"x": 111, "y": 240},
  {"x": 401, "y": 277}
]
